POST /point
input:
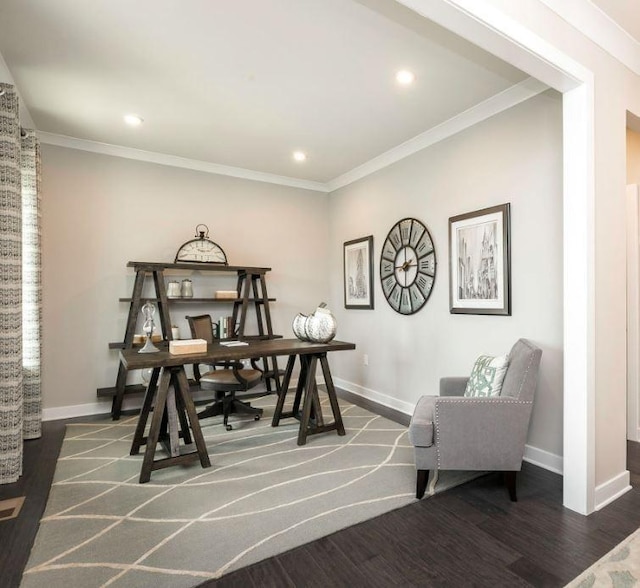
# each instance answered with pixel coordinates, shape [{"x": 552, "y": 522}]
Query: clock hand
[{"x": 405, "y": 265}]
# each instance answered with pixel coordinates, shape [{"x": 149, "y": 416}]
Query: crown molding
[
  {"x": 498, "y": 103},
  {"x": 175, "y": 161},
  {"x": 597, "y": 25}
]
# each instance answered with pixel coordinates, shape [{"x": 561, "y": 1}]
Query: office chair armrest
[{"x": 255, "y": 366}]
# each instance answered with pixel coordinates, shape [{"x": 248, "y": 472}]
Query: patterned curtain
[
  {"x": 12, "y": 378},
  {"x": 31, "y": 285}
]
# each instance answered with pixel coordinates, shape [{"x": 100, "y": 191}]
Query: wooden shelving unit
[{"x": 251, "y": 288}]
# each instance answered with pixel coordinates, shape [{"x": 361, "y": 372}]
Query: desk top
[{"x": 132, "y": 360}]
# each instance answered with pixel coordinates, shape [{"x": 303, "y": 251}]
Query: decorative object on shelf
[
  {"x": 175, "y": 332},
  {"x": 201, "y": 249},
  {"x": 358, "y": 273},
  {"x": 408, "y": 266},
  {"x": 226, "y": 294},
  {"x": 173, "y": 289},
  {"x": 148, "y": 310},
  {"x": 318, "y": 327},
  {"x": 480, "y": 262},
  {"x": 186, "y": 288}
]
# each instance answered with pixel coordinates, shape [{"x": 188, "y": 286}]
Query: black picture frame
[
  {"x": 358, "y": 273},
  {"x": 480, "y": 262}
]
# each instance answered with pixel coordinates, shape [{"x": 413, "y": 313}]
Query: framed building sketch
[
  {"x": 480, "y": 262},
  {"x": 358, "y": 273}
]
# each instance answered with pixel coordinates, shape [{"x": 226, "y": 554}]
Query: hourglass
[{"x": 148, "y": 310}]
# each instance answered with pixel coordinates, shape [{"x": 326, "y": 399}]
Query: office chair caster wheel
[
  {"x": 256, "y": 418},
  {"x": 229, "y": 427}
]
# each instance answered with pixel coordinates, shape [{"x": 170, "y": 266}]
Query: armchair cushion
[{"x": 487, "y": 376}]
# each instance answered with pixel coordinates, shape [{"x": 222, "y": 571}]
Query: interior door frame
[{"x": 633, "y": 311}]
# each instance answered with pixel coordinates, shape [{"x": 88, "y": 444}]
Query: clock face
[
  {"x": 407, "y": 266},
  {"x": 201, "y": 251}
]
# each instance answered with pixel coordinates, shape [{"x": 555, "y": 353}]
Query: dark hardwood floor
[
  {"x": 17, "y": 535},
  {"x": 471, "y": 535}
]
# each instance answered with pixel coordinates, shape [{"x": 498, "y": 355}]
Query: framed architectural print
[
  {"x": 480, "y": 262},
  {"x": 358, "y": 273}
]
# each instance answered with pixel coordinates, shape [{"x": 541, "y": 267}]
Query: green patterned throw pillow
[{"x": 487, "y": 376}]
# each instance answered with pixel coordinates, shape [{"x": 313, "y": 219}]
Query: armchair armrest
[
  {"x": 481, "y": 433},
  {"x": 453, "y": 386}
]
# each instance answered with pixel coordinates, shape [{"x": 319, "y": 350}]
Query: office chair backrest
[{"x": 201, "y": 327}]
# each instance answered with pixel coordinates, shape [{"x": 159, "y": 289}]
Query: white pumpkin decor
[{"x": 318, "y": 327}]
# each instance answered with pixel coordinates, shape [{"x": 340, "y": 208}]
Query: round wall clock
[
  {"x": 407, "y": 266},
  {"x": 201, "y": 249}
]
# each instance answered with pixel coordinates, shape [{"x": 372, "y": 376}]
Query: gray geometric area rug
[
  {"x": 620, "y": 568},
  {"x": 263, "y": 495}
]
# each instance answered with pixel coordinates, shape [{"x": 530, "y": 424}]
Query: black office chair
[{"x": 225, "y": 378}]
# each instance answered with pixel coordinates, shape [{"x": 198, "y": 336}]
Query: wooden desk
[{"x": 174, "y": 412}]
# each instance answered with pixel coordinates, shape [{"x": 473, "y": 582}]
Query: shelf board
[
  {"x": 152, "y": 266},
  {"x": 129, "y": 389},
  {"x": 135, "y": 389},
  {"x": 110, "y": 392}
]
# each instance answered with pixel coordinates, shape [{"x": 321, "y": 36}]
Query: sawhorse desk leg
[
  {"x": 172, "y": 401},
  {"x": 311, "y": 419}
]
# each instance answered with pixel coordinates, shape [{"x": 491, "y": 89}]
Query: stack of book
[{"x": 225, "y": 327}]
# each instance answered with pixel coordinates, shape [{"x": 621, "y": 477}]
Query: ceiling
[{"x": 244, "y": 83}]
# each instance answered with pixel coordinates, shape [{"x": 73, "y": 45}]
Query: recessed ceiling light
[
  {"x": 405, "y": 77},
  {"x": 133, "y": 120},
  {"x": 299, "y": 155}
]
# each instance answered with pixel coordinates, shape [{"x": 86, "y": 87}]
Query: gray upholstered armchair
[{"x": 454, "y": 432}]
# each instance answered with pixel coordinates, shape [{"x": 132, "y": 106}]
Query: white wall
[
  {"x": 99, "y": 212},
  {"x": 514, "y": 157}
]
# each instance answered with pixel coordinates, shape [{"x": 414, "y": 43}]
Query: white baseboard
[
  {"x": 612, "y": 489},
  {"x": 377, "y": 397},
  {"x": 544, "y": 459},
  {"x": 76, "y": 410}
]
